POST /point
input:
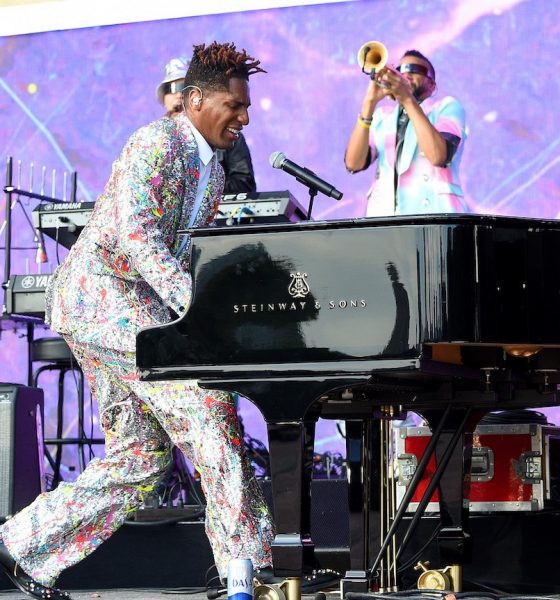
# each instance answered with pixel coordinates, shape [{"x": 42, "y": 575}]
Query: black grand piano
[{"x": 450, "y": 316}]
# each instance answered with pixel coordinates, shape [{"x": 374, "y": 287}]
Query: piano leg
[
  {"x": 362, "y": 437},
  {"x": 453, "y": 457},
  {"x": 291, "y": 463},
  {"x": 453, "y": 539},
  {"x": 451, "y": 430}
]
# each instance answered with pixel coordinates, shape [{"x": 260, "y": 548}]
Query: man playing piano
[
  {"x": 417, "y": 142},
  {"x": 129, "y": 270}
]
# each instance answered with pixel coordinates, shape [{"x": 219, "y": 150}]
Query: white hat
[{"x": 175, "y": 69}]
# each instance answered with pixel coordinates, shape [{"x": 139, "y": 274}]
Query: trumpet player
[{"x": 417, "y": 142}]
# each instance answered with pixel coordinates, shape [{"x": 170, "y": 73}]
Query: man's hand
[
  {"x": 393, "y": 84},
  {"x": 374, "y": 93},
  {"x": 430, "y": 142}
]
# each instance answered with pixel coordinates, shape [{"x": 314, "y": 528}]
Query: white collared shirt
[{"x": 206, "y": 154}]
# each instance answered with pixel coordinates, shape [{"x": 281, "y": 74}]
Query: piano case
[{"x": 515, "y": 467}]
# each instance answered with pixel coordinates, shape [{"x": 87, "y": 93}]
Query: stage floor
[
  {"x": 119, "y": 594},
  {"x": 141, "y": 595}
]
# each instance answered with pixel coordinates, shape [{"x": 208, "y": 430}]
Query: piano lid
[{"x": 353, "y": 296}]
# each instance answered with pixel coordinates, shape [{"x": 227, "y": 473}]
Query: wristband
[{"x": 366, "y": 123}]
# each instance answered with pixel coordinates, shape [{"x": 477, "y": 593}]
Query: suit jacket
[
  {"x": 123, "y": 273},
  {"x": 238, "y": 168},
  {"x": 422, "y": 187}
]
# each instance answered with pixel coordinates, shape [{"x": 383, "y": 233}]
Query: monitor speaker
[{"x": 21, "y": 447}]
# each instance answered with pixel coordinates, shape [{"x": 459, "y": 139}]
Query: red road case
[{"x": 515, "y": 467}]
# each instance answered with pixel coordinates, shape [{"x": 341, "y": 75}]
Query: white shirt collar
[{"x": 204, "y": 150}]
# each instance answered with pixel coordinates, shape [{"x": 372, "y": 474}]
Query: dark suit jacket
[{"x": 238, "y": 168}]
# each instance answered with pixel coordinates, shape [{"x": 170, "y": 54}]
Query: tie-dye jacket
[
  {"x": 122, "y": 273},
  {"x": 422, "y": 187}
]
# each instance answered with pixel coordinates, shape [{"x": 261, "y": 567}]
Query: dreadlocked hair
[{"x": 212, "y": 66}]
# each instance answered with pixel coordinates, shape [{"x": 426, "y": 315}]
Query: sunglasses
[
  {"x": 173, "y": 87},
  {"x": 413, "y": 68}
]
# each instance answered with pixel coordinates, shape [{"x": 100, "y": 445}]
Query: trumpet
[{"x": 372, "y": 57}]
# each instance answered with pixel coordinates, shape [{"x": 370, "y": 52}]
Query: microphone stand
[
  {"x": 312, "y": 194},
  {"x": 8, "y": 221},
  {"x": 11, "y": 190}
]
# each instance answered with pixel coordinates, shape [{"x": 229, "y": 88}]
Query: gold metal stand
[
  {"x": 450, "y": 578},
  {"x": 289, "y": 589}
]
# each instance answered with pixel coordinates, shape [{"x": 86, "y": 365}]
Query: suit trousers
[{"x": 142, "y": 421}]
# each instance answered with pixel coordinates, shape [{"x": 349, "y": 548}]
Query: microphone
[
  {"x": 278, "y": 160},
  {"x": 41, "y": 254}
]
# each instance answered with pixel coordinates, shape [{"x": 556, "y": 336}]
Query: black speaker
[{"x": 21, "y": 446}]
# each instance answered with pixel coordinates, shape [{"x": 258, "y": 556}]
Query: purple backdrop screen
[{"x": 69, "y": 100}]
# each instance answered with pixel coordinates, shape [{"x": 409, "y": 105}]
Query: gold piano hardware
[
  {"x": 289, "y": 589},
  {"x": 449, "y": 578}
]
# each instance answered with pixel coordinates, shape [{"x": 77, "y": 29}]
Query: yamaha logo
[
  {"x": 298, "y": 287},
  {"x": 28, "y": 282},
  {"x": 38, "y": 282}
]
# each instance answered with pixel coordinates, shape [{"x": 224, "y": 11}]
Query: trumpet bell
[{"x": 372, "y": 57}]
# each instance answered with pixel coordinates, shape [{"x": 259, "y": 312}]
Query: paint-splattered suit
[{"x": 123, "y": 274}]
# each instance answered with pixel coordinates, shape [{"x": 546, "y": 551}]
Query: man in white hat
[{"x": 237, "y": 164}]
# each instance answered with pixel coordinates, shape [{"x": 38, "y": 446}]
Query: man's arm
[
  {"x": 144, "y": 195},
  {"x": 238, "y": 169},
  {"x": 438, "y": 148},
  {"x": 431, "y": 143},
  {"x": 358, "y": 154}
]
